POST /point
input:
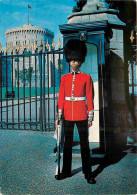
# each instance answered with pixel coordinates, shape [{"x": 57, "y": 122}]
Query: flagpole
[
  {"x": 29, "y": 7},
  {"x": 28, "y": 15}
]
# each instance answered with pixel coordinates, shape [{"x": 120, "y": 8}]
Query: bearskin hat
[{"x": 75, "y": 50}]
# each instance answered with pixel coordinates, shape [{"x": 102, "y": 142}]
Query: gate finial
[
  {"x": 59, "y": 44},
  {"x": 29, "y": 47},
  {"x": 53, "y": 44},
  {"x": 18, "y": 47},
  {"x": 132, "y": 37},
  {"x": 47, "y": 45},
  {"x": 6, "y": 48},
  {"x": 35, "y": 45},
  {"x": 23, "y": 47}
]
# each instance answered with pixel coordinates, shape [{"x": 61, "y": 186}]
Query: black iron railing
[{"x": 29, "y": 86}]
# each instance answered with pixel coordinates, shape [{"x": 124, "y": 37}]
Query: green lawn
[{"x": 27, "y": 91}]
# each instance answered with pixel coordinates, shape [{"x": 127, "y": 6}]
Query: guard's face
[{"x": 75, "y": 64}]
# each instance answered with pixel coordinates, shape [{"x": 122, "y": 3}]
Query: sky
[{"x": 44, "y": 13}]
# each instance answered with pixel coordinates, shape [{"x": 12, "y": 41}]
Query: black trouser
[{"x": 84, "y": 145}]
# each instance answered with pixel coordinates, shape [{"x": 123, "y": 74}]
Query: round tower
[
  {"x": 27, "y": 34},
  {"x": 27, "y": 38}
]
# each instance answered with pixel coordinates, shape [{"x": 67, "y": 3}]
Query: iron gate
[{"x": 29, "y": 86}]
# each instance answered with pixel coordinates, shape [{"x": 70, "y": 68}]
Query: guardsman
[{"x": 76, "y": 103}]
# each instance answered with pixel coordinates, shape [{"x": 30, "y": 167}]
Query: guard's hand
[
  {"x": 56, "y": 123},
  {"x": 89, "y": 123}
]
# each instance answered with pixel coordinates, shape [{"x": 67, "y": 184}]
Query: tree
[{"x": 25, "y": 75}]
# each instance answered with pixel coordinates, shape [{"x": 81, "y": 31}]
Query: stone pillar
[{"x": 116, "y": 43}]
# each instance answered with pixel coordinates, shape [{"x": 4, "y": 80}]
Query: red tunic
[{"x": 79, "y": 85}]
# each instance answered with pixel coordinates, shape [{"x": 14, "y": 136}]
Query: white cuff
[
  {"x": 59, "y": 114},
  {"x": 91, "y": 116}
]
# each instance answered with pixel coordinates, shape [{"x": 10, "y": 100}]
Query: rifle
[{"x": 59, "y": 134}]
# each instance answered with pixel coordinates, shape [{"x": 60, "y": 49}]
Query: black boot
[
  {"x": 62, "y": 176},
  {"x": 55, "y": 149},
  {"x": 90, "y": 179}
]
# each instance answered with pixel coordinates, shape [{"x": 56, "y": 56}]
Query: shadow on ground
[{"x": 106, "y": 161}]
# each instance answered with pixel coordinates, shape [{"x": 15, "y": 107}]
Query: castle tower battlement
[{"x": 28, "y": 34}]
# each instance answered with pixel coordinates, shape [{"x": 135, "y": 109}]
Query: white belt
[{"x": 75, "y": 98}]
